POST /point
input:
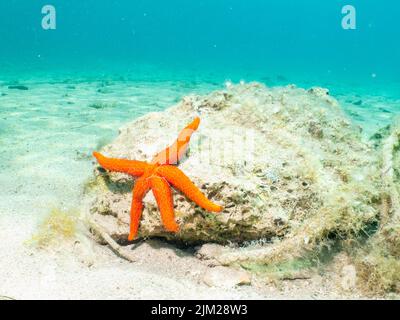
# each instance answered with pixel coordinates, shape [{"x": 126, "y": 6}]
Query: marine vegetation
[
  {"x": 58, "y": 225},
  {"x": 378, "y": 261}
]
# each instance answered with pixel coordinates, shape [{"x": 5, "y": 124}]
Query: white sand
[
  {"x": 46, "y": 137},
  {"x": 86, "y": 270},
  {"x": 96, "y": 273}
]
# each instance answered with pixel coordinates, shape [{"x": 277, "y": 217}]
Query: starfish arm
[
  {"x": 139, "y": 191},
  {"x": 162, "y": 193},
  {"x": 174, "y": 153},
  {"x": 180, "y": 181},
  {"x": 132, "y": 167},
  {"x": 136, "y": 213}
]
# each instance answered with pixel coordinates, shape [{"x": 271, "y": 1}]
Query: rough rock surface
[{"x": 273, "y": 157}]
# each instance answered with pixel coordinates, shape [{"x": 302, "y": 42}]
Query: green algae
[
  {"x": 289, "y": 270},
  {"x": 378, "y": 261},
  {"x": 58, "y": 225}
]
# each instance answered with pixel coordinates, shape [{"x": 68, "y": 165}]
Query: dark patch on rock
[
  {"x": 380, "y": 135},
  {"x": 315, "y": 130}
]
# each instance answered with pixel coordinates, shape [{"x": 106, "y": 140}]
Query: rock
[
  {"x": 18, "y": 87},
  {"x": 208, "y": 252},
  {"x": 273, "y": 157},
  {"x": 102, "y": 105},
  {"x": 315, "y": 130},
  {"x": 225, "y": 277},
  {"x": 319, "y": 92},
  {"x": 378, "y": 137},
  {"x": 104, "y": 90},
  {"x": 384, "y": 110}
]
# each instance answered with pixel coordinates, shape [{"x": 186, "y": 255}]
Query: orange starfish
[{"x": 158, "y": 175}]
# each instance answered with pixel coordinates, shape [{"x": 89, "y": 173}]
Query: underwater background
[
  {"x": 108, "y": 62},
  {"x": 300, "y": 40},
  {"x": 67, "y": 92}
]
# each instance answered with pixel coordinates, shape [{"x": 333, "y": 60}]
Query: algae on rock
[
  {"x": 378, "y": 262},
  {"x": 286, "y": 164}
]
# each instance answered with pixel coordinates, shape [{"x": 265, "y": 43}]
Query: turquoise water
[
  {"x": 301, "y": 40},
  {"x": 134, "y": 57}
]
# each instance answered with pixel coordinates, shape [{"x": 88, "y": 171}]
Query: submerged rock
[
  {"x": 102, "y": 105},
  {"x": 284, "y": 162},
  {"x": 18, "y": 87},
  {"x": 378, "y": 262}
]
